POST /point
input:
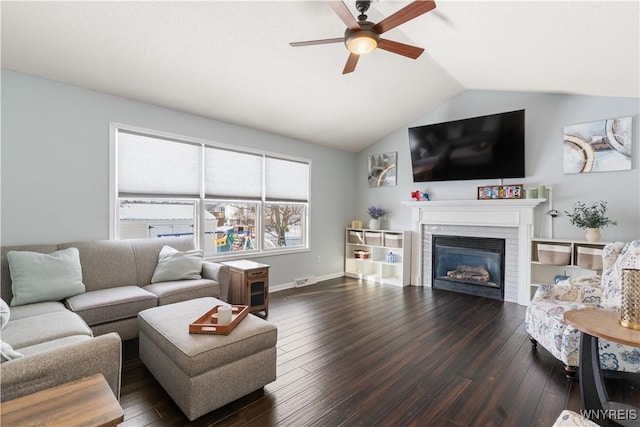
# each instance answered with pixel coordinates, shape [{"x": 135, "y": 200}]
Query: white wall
[
  {"x": 545, "y": 117},
  {"x": 55, "y": 169}
]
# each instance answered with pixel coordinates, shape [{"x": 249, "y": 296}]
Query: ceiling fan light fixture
[{"x": 361, "y": 42}]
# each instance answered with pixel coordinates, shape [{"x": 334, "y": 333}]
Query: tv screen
[{"x": 477, "y": 148}]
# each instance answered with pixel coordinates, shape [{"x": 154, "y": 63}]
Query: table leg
[
  {"x": 592, "y": 390},
  {"x": 595, "y": 400}
]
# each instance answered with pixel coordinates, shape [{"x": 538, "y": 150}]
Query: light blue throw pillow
[
  {"x": 176, "y": 265},
  {"x": 37, "y": 277}
]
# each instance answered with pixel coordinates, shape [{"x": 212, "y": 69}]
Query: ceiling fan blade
[
  {"x": 407, "y": 13},
  {"x": 352, "y": 60},
  {"x": 400, "y": 48},
  {"x": 314, "y": 42},
  {"x": 343, "y": 13}
]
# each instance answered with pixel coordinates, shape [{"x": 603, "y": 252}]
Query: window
[
  {"x": 283, "y": 225},
  {"x": 147, "y": 218},
  {"x": 229, "y": 199},
  {"x": 236, "y": 225}
]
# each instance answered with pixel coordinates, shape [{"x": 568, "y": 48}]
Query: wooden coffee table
[{"x": 85, "y": 402}]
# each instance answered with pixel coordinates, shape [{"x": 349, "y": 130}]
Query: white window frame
[{"x": 199, "y": 226}]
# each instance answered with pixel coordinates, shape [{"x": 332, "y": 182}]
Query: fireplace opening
[{"x": 471, "y": 265}]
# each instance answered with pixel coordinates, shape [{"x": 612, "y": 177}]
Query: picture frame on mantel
[{"x": 501, "y": 192}]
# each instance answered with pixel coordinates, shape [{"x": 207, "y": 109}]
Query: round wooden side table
[{"x": 594, "y": 325}]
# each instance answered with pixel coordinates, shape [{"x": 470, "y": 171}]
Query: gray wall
[
  {"x": 545, "y": 117},
  {"x": 55, "y": 166},
  {"x": 55, "y": 169}
]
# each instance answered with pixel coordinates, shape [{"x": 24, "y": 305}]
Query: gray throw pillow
[
  {"x": 37, "y": 277},
  {"x": 176, "y": 265}
]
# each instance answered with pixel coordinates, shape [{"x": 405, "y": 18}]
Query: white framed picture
[
  {"x": 382, "y": 169},
  {"x": 603, "y": 145}
]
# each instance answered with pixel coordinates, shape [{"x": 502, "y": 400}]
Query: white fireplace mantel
[{"x": 518, "y": 213}]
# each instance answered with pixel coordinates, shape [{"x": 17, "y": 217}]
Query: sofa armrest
[
  {"x": 220, "y": 273},
  {"x": 33, "y": 373}
]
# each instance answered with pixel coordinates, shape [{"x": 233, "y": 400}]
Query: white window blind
[
  {"x": 232, "y": 174},
  {"x": 286, "y": 180},
  {"x": 155, "y": 166}
]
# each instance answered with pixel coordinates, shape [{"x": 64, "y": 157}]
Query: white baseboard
[{"x": 290, "y": 285}]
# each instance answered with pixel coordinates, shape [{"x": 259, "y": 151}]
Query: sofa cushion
[
  {"x": 175, "y": 265},
  {"x": 107, "y": 305},
  {"x": 182, "y": 290},
  {"x": 105, "y": 263},
  {"x": 49, "y": 345},
  {"x": 44, "y": 327},
  {"x": 36, "y": 309},
  {"x": 37, "y": 277}
]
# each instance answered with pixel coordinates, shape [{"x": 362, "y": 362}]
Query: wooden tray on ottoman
[{"x": 207, "y": 323}]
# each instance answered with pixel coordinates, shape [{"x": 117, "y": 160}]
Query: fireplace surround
[{"x": 512, "y": 220}]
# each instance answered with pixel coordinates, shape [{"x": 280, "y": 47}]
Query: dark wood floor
[{"x": 356, "y": 354}]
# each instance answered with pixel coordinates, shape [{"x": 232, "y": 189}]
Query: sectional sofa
[{"x": 63, "y": 339}]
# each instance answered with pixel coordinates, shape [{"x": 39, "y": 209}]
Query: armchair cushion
[{"x": 616, "y": 257}]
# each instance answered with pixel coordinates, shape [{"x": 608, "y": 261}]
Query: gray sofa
[{"x": 66, "y": 340}]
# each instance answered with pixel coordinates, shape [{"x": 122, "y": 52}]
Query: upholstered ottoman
[{"x": 204, "y": 372}]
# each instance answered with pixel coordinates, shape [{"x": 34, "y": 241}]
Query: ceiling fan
[{"x": 362, "y": 36}]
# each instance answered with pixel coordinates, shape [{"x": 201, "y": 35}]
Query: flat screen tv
[{"x": 476, "y": 148}]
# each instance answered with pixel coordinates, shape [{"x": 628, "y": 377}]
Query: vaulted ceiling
[{"x": 231, "y": 60}]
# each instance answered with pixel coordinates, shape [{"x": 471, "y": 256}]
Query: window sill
[{"x": 249, "y": 255}]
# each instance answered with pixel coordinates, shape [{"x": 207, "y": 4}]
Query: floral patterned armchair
[{"x": 544, "y": 317}]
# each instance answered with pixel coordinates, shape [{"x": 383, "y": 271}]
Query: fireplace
[
  {"x": 471, "y": 265},
  {"x": 511, "y": 220}
]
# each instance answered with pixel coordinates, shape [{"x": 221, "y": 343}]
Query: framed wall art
[
  {"x": 599, "y": 146},
  {"x": 382, "y": 169}
]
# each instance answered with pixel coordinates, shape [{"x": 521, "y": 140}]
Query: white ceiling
[{"x": 231, "y": 60}]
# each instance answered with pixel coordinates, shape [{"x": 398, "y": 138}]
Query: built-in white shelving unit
[
  {"x": 580, "y": 258},
  {"x": 367, "y": 256}
]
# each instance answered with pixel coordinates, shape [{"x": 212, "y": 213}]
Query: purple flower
[{"x": 376, "y": 212}]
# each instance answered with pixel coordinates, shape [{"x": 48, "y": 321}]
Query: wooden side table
[
  {"x": 85, "y": 402},
  {"x": 249, "y": 283},
  {"x": 603, "y": 324}
]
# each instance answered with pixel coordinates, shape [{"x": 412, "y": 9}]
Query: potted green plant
[
  {"x": 375, "y": 213},
  {"x": 590, "y": 218}
]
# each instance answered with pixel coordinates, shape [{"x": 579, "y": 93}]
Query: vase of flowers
[
  {"x": 590, "y": 218},
  {"x": 375, "y": 213}
]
